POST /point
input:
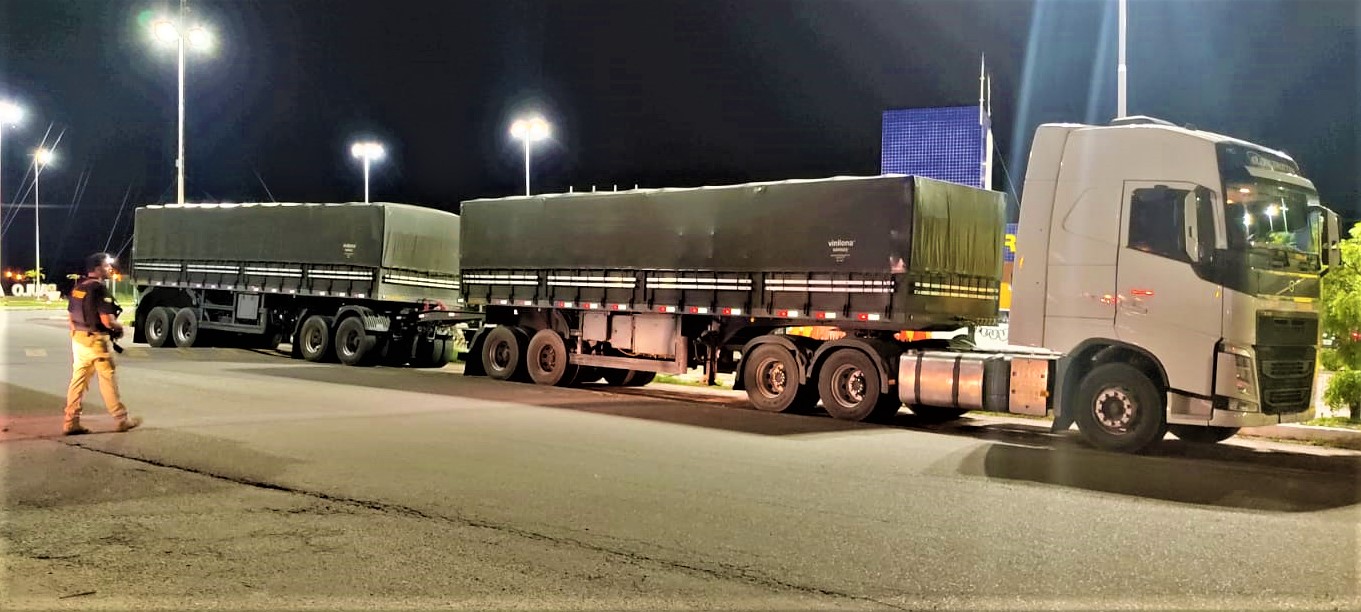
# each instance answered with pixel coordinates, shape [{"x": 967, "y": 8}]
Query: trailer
[
  {"x": 358, "y": 283},
  {"x": 628, "y": 284},
  {"x": 1151, "y": 292}
]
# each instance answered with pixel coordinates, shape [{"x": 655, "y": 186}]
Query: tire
[
  {"x": 185, "y": 328},
  {"x": 1202, "y": 435},
  {"x": 314, "y": 339},
  {"x": 354, "y": 345},
  {"x": 156, "y": 328},
  {"x": 638, "y": 378},
  {"x": 616, "y": 377},
  {"x": 849, "y": 385},
  {"x": 503, "y": 353},
  {"x": 433, "y": 353},
  {"x": 771, "y": 375},
  {"x": 1118, "y": 408},
  {"x": 937, "y": 414},
  {"x": 587, "y": 375},
  {"x": 547, "y": 360},
  {"x": 270, "y": 340}
]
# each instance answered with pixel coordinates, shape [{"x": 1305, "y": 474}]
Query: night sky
[{"x": 650, "y": 92}]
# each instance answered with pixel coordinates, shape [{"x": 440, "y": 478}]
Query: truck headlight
[{"x": 1236, "y": 380}]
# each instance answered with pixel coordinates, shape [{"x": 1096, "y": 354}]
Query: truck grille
[
  {"x": 1286, "y": 369},
  {"x": 1292, "y": 329},
  {"x": 1286, "y": 375}
]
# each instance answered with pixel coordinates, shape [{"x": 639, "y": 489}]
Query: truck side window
[{"x": 1157, "y": 222}]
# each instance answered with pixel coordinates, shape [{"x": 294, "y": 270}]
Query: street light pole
[
  {"x": 367, "y": 152},
  {"x": 529, "y": 130},
  {"x": 179, "y": 159},
  {"x": 1121, "y": 70},
  {"x": 41, "y": 158},
  {"x": 175, "y": 31}
]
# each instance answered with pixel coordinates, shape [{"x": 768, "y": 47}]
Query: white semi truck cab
[{"x": 1177, "y": 273}]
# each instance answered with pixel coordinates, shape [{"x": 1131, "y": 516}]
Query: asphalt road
[{"x": 262, "y": 482}]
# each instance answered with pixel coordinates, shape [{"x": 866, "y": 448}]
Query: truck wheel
[
  {"x": 354, "y": 345},
  {"x": 433, "y": 352},
  {"x": 502, "y": 353},
  {"x": 1118, "y": 408},
  {"x": 157, "y": 326},
  {"x": 638, "y": 378},
  {"x": 848, "y": 384},
  {"x": 587, "y": 375},
  {"x": 616, "y": 377},
  {"x": 185, "y": 328},
  {"x": 937, "y": 414},
  {"x": 314, "y": 339},
  {"x": 1203, "y": 435},
  {"x": 547, "y": 359},
  {"x": 773, "y": 383}
]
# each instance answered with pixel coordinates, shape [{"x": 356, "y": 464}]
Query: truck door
[{"x": 1162, "y": 304}]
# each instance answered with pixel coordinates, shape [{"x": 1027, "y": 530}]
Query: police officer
[{"x": 94, "y": 326}]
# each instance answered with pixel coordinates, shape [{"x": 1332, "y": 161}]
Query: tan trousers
[{"x": 91, "y": 356}]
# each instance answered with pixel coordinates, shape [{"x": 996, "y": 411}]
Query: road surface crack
[{"x": 723, "y": 571}]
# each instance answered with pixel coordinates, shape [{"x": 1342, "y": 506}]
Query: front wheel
[
  {"x": 1118, "y": 408},
  {"x": 1202, "y": 435}
]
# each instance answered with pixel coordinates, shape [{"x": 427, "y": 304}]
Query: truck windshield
[{"x": 1269, "y": 215}]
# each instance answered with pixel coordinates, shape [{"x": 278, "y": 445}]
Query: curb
[{"x": 1333, "y": 436}]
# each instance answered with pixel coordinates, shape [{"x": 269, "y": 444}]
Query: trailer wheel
[
  {"x": 547, "y": 359},
  {"x": 314, "y": 339},
  {"x": 185, "y": 328},
  {"x": 773, "y": 383},
  {"x": 157, "y": 326},
  {"x": 587, "y": 375},
  {"x": 1202, "y": 435},
  {"x": 354, "y": 345},
  {"x": 502, "y": 352},
  {"x": 616, "y": 377},
  {"x": 849, "y": 385},
  {"x": 1118, "y": 408},
  {"x": 433, "y": 353},
  {"x": 638, "y": 378},
  {"x": 937, "y": 414}
]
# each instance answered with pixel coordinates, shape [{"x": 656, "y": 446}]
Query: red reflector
[
  {"x": 694, "y": 310},
  {"x": 783, "y": 313},
  {"x": 1143, "y": 292},
  {"x": 863, "y": 316},
  {"x": 661, "y": 309},
  {"x": 727, "y": 311}
]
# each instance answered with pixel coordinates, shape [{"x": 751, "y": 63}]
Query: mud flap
[
  {"x": 473, "y": 358},
  {"x": 1063, "y": 415}
]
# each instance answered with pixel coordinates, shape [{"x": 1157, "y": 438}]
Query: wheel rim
[
  {"x": 548, "y": 359},
  {"x": 848, "y": 385},
  {"x": 157, "y": 328},
  {"x": 182, "y": 332},
  {"x": 1115, "y": 410},
  {"x": 350, "y": 343},
  {"x": 771, "y": 378},
  {"x": 314, "y": 340},
  {"x": 500, "y": 355}
]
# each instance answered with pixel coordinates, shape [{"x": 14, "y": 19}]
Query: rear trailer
[{"x": 361, "y": 283}]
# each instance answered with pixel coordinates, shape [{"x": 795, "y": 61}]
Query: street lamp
[
  {"x": 369, "y": 152},
  {"x": 529, "y": 130},
  {"x": 41, "y": 158},
  {"x": 11, "y": 114},
  {"x": 1271, "y": 212},
  {"x": 173, "y": 32}
]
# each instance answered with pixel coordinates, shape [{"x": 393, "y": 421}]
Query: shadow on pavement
[{"x": 1164, "y": 477}]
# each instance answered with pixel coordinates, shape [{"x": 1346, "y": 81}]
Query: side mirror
[{"x": 1330, "y": 250}]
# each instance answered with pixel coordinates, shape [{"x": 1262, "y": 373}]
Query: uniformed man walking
[{"x": 94, "y": 326}]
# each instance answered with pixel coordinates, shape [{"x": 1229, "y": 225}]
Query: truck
[
  {"x": 358, "y": 283},
  {"x": 1166, "y": 279}
]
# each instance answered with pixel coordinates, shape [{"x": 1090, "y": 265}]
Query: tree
[{"x": 1342, "y": 322}]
